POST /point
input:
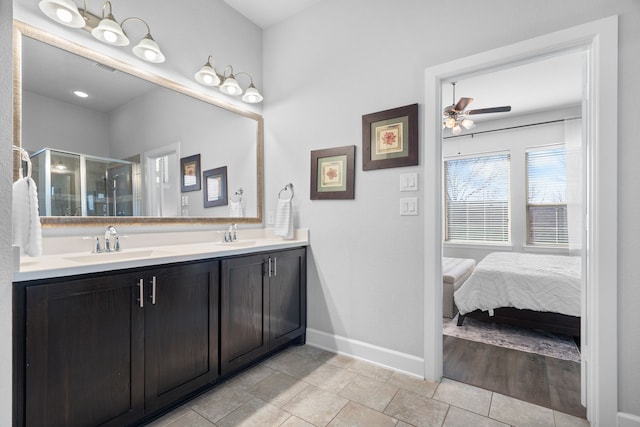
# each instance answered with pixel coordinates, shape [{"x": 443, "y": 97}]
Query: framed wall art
[
  {"x": 190, "y": 173},
  {"x": 390, "y": 138},
  {"x": 333, "y": 173},
  {"x": 215, "y": 187}
]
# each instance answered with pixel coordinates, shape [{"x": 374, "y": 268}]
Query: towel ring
[
  {"x": 24, "y": 156},
  {"x": 238, "y": 195},
  {"x": 285, "y": 188}
]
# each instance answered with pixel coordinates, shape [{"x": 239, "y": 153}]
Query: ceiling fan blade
[
  {"x": 490, "y": 110},
  {"x": 462, "y": 104}
]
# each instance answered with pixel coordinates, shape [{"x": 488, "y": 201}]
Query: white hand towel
[
  {"x": 284, "y": 219},
  {"x": 236, "y": 209},
  {"x": 27, "y": 231}
]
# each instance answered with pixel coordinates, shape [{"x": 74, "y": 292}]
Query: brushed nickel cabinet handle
[
  {"x": 153, "y": 290},
  {"x": 275, "y": 266},
  {"x": 141, "y": 296},
  {"x": 269, "y": 266}
]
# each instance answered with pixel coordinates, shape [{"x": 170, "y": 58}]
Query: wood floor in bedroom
[{"x": 545, "y": 381}]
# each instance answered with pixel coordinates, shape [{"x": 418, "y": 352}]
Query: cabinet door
[
  {"x": 244, "y": 308},
  {"x": 287, "y": 296},
  {"x": 181, "y": 331},
  {"x": 84, "y": 353}
]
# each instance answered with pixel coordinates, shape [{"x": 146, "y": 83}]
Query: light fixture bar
[{"x": 104, "y": 28}]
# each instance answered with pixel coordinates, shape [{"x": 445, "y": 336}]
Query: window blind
[
  {"x": 547, "y": 196},
  {"x": 477, "y": 198}
]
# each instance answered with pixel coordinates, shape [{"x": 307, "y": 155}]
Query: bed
[{"x": 527, "y": 290}]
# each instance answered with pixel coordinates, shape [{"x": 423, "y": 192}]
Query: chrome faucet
[{"x": 108, "y": 235}]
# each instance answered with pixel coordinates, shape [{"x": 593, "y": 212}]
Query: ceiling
[{"x": 265, "y": 13}]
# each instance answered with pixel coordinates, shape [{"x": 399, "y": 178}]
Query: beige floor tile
[
  {"x": 416, "y": 409},
  {"x": 292, "y": 364},
  {"x": 414, "y": 384},
  {"x": 191, "y": 419},
  {"x": 518, "y": 413},
  {"x": 255, "y": 412},
  {"x": 566, "y": 420},
  {"x": 370, "y": 370},
  {"x": 219, "y": 402},
  {"x": 340, "y": 361},
  {"x": 329, "y": 378},
  {"x": 278, "y": 388},
  {"x": 308, "y": 351},
  {"x": 355, "y": 415},
  {"x": 315, "y": 405},
  {"x": 294, "y": 421},
  {"x": 170, "y": 417},
  {"x": 369, "y": 392},
  {"x": 457, "y": 417},
  {"x": 464, "y": 396},
  {"x": 250, "y": 377}
]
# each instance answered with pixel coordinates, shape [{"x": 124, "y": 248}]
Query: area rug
[{"x": 531, "y": 341}]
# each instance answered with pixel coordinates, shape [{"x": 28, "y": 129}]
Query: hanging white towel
[
  {"x": 236, "y": 210},
  {"x": 27, "y": 231},
  {"x": 284, "y": 219}
]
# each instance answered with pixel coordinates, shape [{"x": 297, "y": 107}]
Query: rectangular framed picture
[
  {"x": 190, "y": 173},
  {"x": 215, "y": 187},
  {"x": 390, "y": 138},
  {"x": 333, "y": 173}
]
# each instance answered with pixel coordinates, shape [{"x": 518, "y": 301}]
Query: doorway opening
[
  {"x": 162, "y": 181},
  {"x": 513, "y": 192},
  {"x": 598, "y": 324}
]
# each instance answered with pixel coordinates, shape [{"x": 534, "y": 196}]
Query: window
[
  {"x": 477, "y": 199},
  {"x": 547, "y": 196}
]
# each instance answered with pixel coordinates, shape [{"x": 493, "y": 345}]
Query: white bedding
[{"x": 525, "y": 281}]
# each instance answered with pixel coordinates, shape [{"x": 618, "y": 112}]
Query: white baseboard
[
  {"x": 390, "y": 359},
  {"x": 628, "y": 420}
]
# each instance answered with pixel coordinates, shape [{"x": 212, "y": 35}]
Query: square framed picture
[
  {"x": 390, "y": 138},
  {"x": 333, "y": 173},
  {"x": 215, "y": 187},
  {"x": 190, "y": 173}
]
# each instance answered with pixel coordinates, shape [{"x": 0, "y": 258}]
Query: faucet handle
[
  {"x": 117, "y": 247},
  {"x": 97, "y": 248}
]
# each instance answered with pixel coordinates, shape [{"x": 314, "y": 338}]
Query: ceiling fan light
[
  {"x": 450, "y": 122},
  {"x": 110, "y": 32},
  {"x": 230, "y": 86},
  {"x": 467, "y": 123},
  {"x": 456, "y": 130},
  {"x": 251, "y": 95},
  {"x": 148, "y": 50},
  {"x": 64, "y": 12}
]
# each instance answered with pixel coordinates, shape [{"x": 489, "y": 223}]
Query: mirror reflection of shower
[{"x": 72, "y": 184}]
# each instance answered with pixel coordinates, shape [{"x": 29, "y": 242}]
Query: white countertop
[{"x": 144, "y": 250}]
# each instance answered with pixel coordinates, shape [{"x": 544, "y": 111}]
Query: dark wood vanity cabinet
[
  {"x": 109, "y": 349},
  {"x": 262, "y": 305},
  {"x": 116, "y": 348}
]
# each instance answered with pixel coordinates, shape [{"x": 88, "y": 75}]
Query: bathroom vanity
[{"x": 121, "y": 340}]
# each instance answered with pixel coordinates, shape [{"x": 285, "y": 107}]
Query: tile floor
[{"x": 306, "y": 386}]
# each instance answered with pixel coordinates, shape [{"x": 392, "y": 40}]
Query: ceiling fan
[{"x": 455, "y": 117}]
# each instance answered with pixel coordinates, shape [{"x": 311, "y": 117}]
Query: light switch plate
[
  {"x": 408, "y": 206},
  {"x": 409, "y": 181}
]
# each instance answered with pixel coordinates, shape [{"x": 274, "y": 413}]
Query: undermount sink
[
  {"x": 116, "y": 256},
  {"x": 238, "y": 243}
]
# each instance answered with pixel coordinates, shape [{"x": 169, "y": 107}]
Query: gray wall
[{"x": 338, "y": 60}]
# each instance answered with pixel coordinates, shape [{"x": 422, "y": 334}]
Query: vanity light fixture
[
  {"x": 104, "y": 28},
  {"x": 208, "y": 76}
]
